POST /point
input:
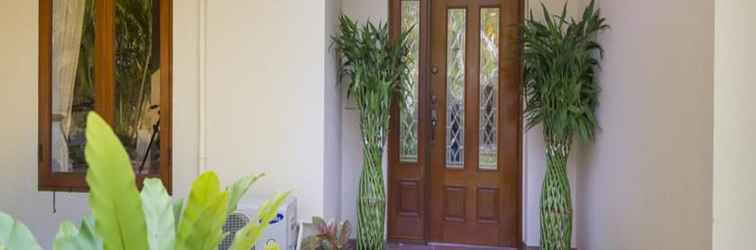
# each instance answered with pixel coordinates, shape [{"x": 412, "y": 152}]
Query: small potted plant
[{"x": 329, "y": 236}]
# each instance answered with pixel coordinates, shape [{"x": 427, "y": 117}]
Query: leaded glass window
[
  {"x": 489, "y": 87},
  {"x": 408, "y": 112},
  {"x": 455, "y": 88}
]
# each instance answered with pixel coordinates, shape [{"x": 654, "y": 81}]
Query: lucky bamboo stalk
[
  {"x": 374, "y": 69},
  {"x": 561, "y": 56}
]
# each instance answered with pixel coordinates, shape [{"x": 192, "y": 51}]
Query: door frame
[{"x": 424, "y": 103}]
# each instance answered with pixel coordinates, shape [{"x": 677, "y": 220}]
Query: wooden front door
[{"x": 455, "y": 161}]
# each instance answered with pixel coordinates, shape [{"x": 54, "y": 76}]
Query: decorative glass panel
[
  {"x": 408, "y": 112},
  {"x": 73, "y": 95},
  {"x": 455, "y": 88},
  {"x": 137, "y": 81},
  {"x": 489, "y": 87}
]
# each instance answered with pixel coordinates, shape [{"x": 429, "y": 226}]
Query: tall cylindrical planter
[
  {"x": 556, "y": 203},
  {"x": 371, "y": 204}
]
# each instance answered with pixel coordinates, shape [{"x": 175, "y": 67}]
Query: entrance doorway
[{"x": 454, "y": 148}]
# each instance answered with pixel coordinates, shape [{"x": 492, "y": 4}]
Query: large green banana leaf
[
  {"x": 248, "y": 235},
  {"x": 238, "y": 189},
  {"x": 272, "y": 246},
  {"x": 158, "y": 212},
  {"x": 178, "y": 209},
  {"x": 88, "y": 233},
  {"x": 15, "y": 236},
  {"x": 201, "y": 223},
  {"x": 113, "y": 196},
  {"x": 71, "y": 238}
]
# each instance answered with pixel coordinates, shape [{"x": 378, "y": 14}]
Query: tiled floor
[{"x": 399, "y": 246}]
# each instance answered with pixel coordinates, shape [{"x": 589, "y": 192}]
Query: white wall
[
  {"x": 333, "y": 119},
  {"x": 734, "y": 123},
  {"x": 266, "y": 95},
  {"x": 646, "y": 182}
]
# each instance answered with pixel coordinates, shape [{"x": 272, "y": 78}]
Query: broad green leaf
[
  {"x": 238, "y": 189},
  {"x": 113, "y": 194},
  {"x": 204, "y": 213},
  {"x": 248, "y": 235},
  {"x": 71, "y": 238},
  {"x": 178, "y": 209},
  {"x": 158, "y": 212},
  {"x": 15, "y": 236},
  {"x": 272, "y": 246},
  {"x": 66, "y": 237},
  {"x": 87, "y": 232}
]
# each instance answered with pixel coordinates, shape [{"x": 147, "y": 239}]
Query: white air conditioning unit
[{"x": 283, "y": 229}]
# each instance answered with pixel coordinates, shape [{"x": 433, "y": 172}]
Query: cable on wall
[{"x": 202, "y": 69}]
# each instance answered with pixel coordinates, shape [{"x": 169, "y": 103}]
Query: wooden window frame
[{"x": 48, "y": 180}]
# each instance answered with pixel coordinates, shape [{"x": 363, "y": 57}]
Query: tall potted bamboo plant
[
  {"x": 561, "y": 57},
  {"x": 374, "y": 69}
]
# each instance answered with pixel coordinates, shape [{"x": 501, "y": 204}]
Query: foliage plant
[
  {"x": 561, "y": 57},
  {"x": 330, "y": 236},
  {"x": 125, "y": 219},
  {"x": 374, "y": 69}
]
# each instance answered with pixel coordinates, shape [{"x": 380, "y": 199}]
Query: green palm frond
[{"x": 561, "y": 57}]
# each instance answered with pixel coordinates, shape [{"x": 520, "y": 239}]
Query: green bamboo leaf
[
  {"x": 203, "y": 216},
  {"x": 239, "y": 189},
  {"x": 15, "y": 236},
  {"x": 113, "y": 194},
  {"x": 158, "y": 212},
  {"x": 560, "y": 66},
  {"x": 246, "y": 237}
]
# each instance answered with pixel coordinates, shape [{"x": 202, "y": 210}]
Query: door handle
[
  {"x": 434, "y": 118},
  {"x": 434, "y": 121}
]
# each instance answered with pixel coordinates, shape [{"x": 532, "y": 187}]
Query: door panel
[
  {"x": 474, "y": 161},
  {"x": 408, "y": 138},
  {"x": 454, "y": 148}
]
